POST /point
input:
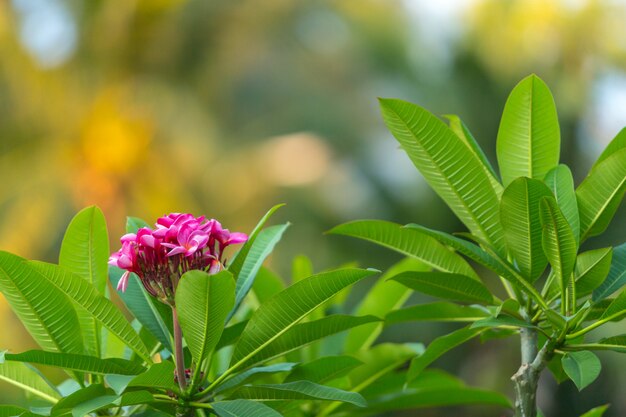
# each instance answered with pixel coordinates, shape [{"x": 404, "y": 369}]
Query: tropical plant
[
  {"x": 192, "y": 347},
  {"x": 526, "y": 225}
]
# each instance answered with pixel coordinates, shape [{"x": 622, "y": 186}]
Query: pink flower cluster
[{"x": 180, "y": 243}]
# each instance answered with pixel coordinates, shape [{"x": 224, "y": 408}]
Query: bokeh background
[{"x": 226, "y": 108}]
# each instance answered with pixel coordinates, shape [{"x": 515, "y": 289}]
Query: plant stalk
[
  {"x": 526, "y": 379},
  {"x": 179, "y": 355}
]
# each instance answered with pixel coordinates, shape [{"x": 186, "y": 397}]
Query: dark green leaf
[
  {"x": 444, "y": 285},
  {"x": 438, "y": 311},
  {"x": 560, "y": 181},
  {"x": 617, "y": 274},
  {"x": 324, "y": 369},
  {"x": 582, "y": 367},
  {"x": 76, "y": 362},
  {"x": 591, "y": 269},
  {"x": 243, "y": 408}
]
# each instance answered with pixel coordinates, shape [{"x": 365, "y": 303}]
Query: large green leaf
[
  {"x": 298, "y": 390},
  {"x": 615, "y": 343},
  {"x": 285, "y": 309},
  {"x": 617, "y": 144},
  {"x": 76, "y": 362},
  {"x": 438, "y": 311},
  {"x": 617, "y": 308},
  {"x": 243, "y": 408},
  {"x": 459, "y": 128},
  {"x": 491, "y": 261},
  {"x": 28, "y": 379},
  {"x": 519, "y": 214},
  {"x": 600, "y": 194},
  {"x": 45, "y": 311},
  {"x": 384, "y": 297},
  {"x": 454, "y": 287},
  {"x": 324, "y": 369},
  {"x": 262, "y": 247},
  {"x": 560, "y": 181},
  {"x": 304, "y": 333},
  {"x": 453, "y": 170},
  {"x": 87, "y": 297},
  {"x": 617, "y": 274},
  {"x": 408, "y": 242},
  {"x": 245, "y": 376},
  {"x": 438, "y": 347},
  {"x": 85, "y": 252},
  {"x": 597, "y": 411},
  {"x": 582, "y": 367},
  {"x": 591, "y": 269},
  {"x": 529, "y": 138},
  {"x": 203, "y": 302},
  {"x": 155, "y": 316},
  {"x": 559, "y": 243}
]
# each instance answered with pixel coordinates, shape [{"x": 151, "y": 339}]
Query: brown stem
[{"x": 179, "y": 355}]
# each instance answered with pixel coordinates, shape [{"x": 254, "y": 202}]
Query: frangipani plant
[{"x": 526, "y": 225}]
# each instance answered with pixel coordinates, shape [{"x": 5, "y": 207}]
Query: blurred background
[{"x": 225, "y": 108}]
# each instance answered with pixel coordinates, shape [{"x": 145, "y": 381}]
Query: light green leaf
[
  {"x": 85, "y": 252},
  {"x": 324, "y": 369},
  {"x": 153, "y": 315},
  {"x": 407, "y": 242},
  {"x": 438, "y": 347},
  {"x": 582, "y": 367},
  {"x": 27, "y": 379},
  {"x": 243, "y": 408},
  {"x": 529, "y": 138},
  {"x": 558, "y": 242},
  {"x": 159, "y": 375},
  {"x": 454, "y": 287},
  {"x": 617, "y": 144},
  {"x": 83, "y": 294},
  {"x": 45, "y": 311},
  {"x": 597, "y": 411},
  {"x": 438, "y": 311},
  {"x": 616, "y": 307},
  {"x": 304, "y": 333},
  {"x": 12, "y": 411},
  {"x": 285, "y": 309},
  {"x": 244, "y": 376},
  {"x": 133, "y": 224},
  {"x": 459, "y": 128},
  {"x": 519, "y": 214},
  {"x": 455, "y": 172},
  {"x": 266, "y": 285},
  {"x": 560, "y": 181},
  {"x": 298, "y": 390},
  {"x": 203, "y": 302},
  {"x": 261, "y": 248},
  {"x": 600, "y": 194},
  {"x": 301, "y": 268},
  {"x": 384, "y": 297},
  {"x": 591, "y": 269},
  {"x": 615, "y": 343},
  {"x": 76, "y": 362},
  {"x": 617, "y": 274}
]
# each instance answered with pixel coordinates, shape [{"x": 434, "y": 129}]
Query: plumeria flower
[{"x": 179, "y": 243}]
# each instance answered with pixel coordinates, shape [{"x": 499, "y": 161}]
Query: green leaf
[
  {"x": 83, "y": 294},
  {"x": 617, "y": 274},
  {"x": 407, "y": 242},
  {"x": 591, "y": 269},
  {"x": 85, "y": 252},
  {"x": 459, "y": 128},
  {"x": 484, "y": 258},
  {"x": 12, "y": 410},
  {"x": 597, "y": 411},
  {"x": 243, "y": 408},
  {"x": 324, "y": 369},
  {"x": 45, "y": 311},
  {"x": 305, "y": 333},
  {"x": 582, "y": 367},
  {"x": 438, "y": 347},
  {"x": 27, "y": 379},
  {"x": 298, "y": 390},
  {"x": 616, "y": 307},
  {"x": 231, "y": 334},
  {"x": 76, "y": 362},
  {"x": 455, "y": 172},
  {"x": 262, "y": 247},
  {"x": 159, "y": 375},
  {"x": 285, "y": 309},
  {"x": 155, "y": 316},
  {"x": 454, "y": 287},
  {"x": 301, "y": 268},
  {"x": 203, "y": 302},
  {"x": 133, "y": 224},
  {"x": 266, "y": 285},
  {"x": 616, "y": 343},
  {"x": 438, "y": 311},
  {"x": 600, "y": 194},
  {"x": 560, "y": 181},
  {"x": 558, "y": 241},
  {"x": 501, "y": 320},
  {"x": 244, "y": 376},
  {"x": 529, "y": 138},
  {"x": 384, "y": 297},
  {"x": 109, "y": 401},
  {"x": 519, "y": 214},
  {"x": 617, "y": 144}
]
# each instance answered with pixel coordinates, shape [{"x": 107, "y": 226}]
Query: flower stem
[{"x": 178, "y": 354}]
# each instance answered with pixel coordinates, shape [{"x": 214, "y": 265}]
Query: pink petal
[
  {"x": 236, "y": 238},
  {"x": 123, "y": 283}
]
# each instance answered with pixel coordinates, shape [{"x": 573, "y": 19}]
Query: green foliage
[{"x": 526, "y": 230}]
